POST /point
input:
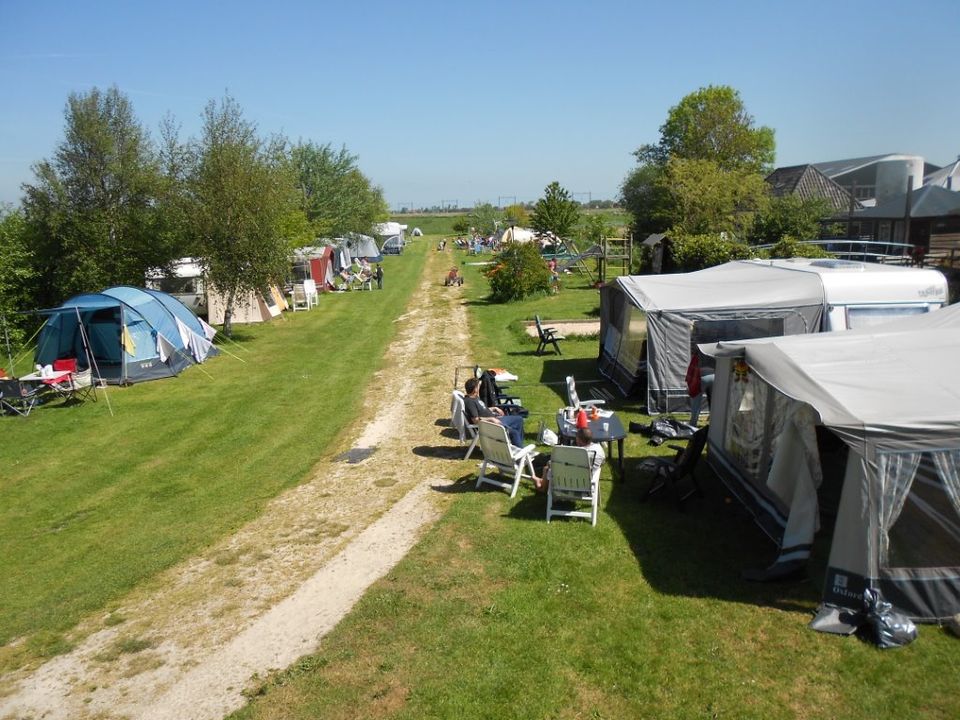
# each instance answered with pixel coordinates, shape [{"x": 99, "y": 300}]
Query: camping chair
[
  {"x": 548, "y": 336},
  {"x": 79, "y": 384},
  {"x": 458, "y": 419},
  {"x": 572, "y": 478},
  {"x": 18, "y": 397},
  {"x": 671, "y": 472},
  {"x": 574, "y": 401},
  {"x": 310, "y": 290},
  {"x": 298, "y": 298},
  {"x": 500, "y": 455}
]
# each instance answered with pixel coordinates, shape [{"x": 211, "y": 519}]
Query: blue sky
[{"x": 446, "y": 101}]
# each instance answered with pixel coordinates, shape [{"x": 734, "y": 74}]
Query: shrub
[
  {"x": 696, "y": 252},
  {"x": 789, "y": 247},
  {"x": 518, "y": 272}
]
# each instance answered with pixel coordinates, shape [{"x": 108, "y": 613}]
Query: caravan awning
[
  {"x": 744, "y": 284},
  {"x": 895, "y": 383}
]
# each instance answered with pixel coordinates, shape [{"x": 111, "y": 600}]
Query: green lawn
[
  {"x": 91, "y": 505},
  {"x": 496, "y": 614}
]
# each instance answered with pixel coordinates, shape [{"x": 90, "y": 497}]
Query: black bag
[
  {"x": 667, "y": 427},
  {"x": 889, "y": 628}
]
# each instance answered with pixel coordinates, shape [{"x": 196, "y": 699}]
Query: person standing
[{"x": 379, "y": 276}]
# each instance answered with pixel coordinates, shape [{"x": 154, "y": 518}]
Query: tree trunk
[{"x": 228, "y": 312}]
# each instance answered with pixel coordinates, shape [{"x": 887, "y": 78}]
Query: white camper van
[
  {"x": 649, "y": 324},
  {"x": 185, "y": 282}
]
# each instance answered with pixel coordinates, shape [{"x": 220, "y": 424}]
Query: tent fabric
[
  {"x": 133, "y": 334},
  {"x": 885, "y": 392},
  {"x": 737, "y": 299},
  {"x": 362, "y": 246}
]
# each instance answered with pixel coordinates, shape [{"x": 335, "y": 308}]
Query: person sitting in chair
[
  {"x": 476, "y": 410},
  {"x": 583, "y": 439}
]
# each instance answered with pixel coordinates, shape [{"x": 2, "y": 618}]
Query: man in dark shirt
[
  {"x": 475, "y": 409},
  {"x": 378, "y": 276}
]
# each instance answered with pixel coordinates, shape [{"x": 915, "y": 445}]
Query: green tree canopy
[
  {"x": 790, "y": 216},
  {"x": 516, "y": 214},
  {"x": 92, "y": 209},
  {"x": 485, "y": 218},
  {"x": 15, "y": 273},
  {"x": 713, "y": 124},
  {"x": 555, "y": 212},
  {"x": 335, "y": 196},
  {"x": 245, "y": 207},
  {"x": 705, "y": 175}
]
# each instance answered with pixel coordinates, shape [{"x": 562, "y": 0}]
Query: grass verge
[
  {"x": 497, "y": 614},
  {"x": 91, "y": 505}
]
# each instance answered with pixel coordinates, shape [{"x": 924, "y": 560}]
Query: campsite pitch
[{"x": 189, "y": 643}]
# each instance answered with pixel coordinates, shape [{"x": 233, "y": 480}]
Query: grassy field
[
  {"x": 91, "y": 505},
  {"x": 442, "y": 224},
  {"x": 496, "y": 614}
]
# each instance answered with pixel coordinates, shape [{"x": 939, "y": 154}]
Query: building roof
[
  {"x": 806, "y": 181},
  {"x": 926, "y": 202}
]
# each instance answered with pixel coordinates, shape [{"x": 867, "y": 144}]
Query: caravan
[
  {"x": 886, "y": 393},
  {"x": 649, "y": 325}
]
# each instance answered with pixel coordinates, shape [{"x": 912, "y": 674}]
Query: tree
[
  {"x": 713, "y": 124},
  {"x": 707, "y": 199},
  {"x": 518, "y": 272},
  {"x": 790, "y": 216},
  {"x": 555, "y": 212},
  {"x": 15, "y": 272},
  {"x": 516, "y": 215},
  {"x": 485, "y": 218},
  {"x": 92, "y": 208},
  {"x": 335, "y": 196},
  {"x": 709, "y": 131},
  {"x": 245, "y": 204}
]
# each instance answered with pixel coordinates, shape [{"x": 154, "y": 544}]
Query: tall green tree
[
  {"x": 713, "y": 124},
  {"x": 555, "y": 212},
  {"x": 16, "y": 271},
  {"x": 790, "y": 216},
  {"x": 335, "y": 196},
  {"x": 485, "y": 218},
  {"x": 245, "y": 207},
  {"x": 92, "y": 208},
  {"x": 710, "y": 130}
]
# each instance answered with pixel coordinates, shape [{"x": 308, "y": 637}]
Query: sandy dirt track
[{"x": 260, "y": 599}]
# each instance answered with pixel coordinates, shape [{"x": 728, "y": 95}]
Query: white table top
[{"x": 52, "y": 377}]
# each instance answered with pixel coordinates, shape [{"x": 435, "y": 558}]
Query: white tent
[
  {"x": 518, "y": 235},
  {"x": 890, "y": 394},
  {"x": 652, "y": 322}
]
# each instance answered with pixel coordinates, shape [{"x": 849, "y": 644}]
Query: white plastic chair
[
  {"x": 298, "y": 298},
  {"x": 506, "y": 459},
  {"x": 310, "y": 290},
  {"x": 458, "y": 418},
  {"x": 571, "y": 478},
  {"x": 574, "y": 401}
]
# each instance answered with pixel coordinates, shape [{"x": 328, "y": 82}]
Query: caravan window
[
  {"x": 925, "y": 533},
  {"x": 870, "y": 315}
]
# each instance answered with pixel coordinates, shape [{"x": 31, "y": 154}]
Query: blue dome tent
[{"x": 125, "y": 334}]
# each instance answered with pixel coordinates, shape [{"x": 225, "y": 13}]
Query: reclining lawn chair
[
  {"x": 574, "y": 401},
  {"x": 548, "y": 336},
  {"x": 506, "y": 459},
  {"x": 18, "y": 397},
  {"x": 458, "y": 419},
  {"x": 671, "y": 472},
  {"x": 572, "y": 478}
]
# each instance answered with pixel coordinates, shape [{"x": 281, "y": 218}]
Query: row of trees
[
  {"x": 111, "y": 203},
  {"x": 703, "y": 182}
]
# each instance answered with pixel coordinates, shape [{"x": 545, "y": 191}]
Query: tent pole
[{"x": 92, "y": 361}]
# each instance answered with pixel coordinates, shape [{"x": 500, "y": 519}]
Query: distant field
[{"x": 442, "y": 223}]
